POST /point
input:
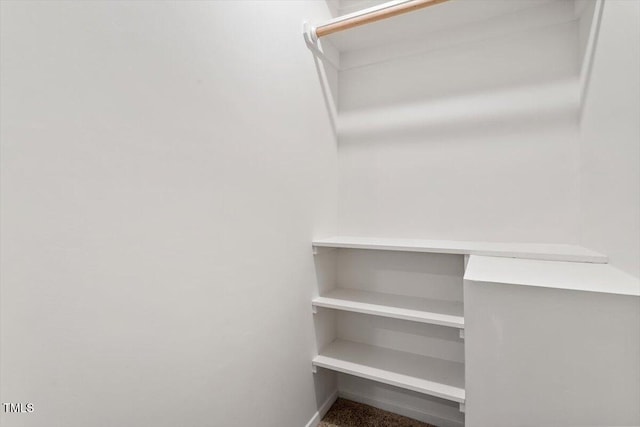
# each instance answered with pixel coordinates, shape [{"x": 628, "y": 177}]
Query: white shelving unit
[
  {"x": 424, "y": 310},
  {"x": 428, "y": 375},
  {"x": 540, "y": 251},
  {"x": 397, "y": 360},
  {"x": 532, "y": 264}
]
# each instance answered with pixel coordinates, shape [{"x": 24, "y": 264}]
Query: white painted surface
[
  {"x": 514, "y": 250},
  {"x": 409, "y": 277},
  {"x": 492, "y": 182},
  {"x": 161, "y": 182},
  {"x": 576, "y": 276},
  {"x": 440, "y": 342},
  {"x": 468, "y": 138},
  {"x": 610, "y": 140},
  {"x": 322, "y": 411},
  {"x": 460, "y": 15},
  {"x": 324, "y": 322},
  {"x": 405, "y": 274},
  {"x": 541, "y": 357},
  {"x": 437, "y": 312},
  {"x": 143, "y": 154},
  {"x": 485, "y": 21},
  {"x": 408, "y": 169},
  {"x": 561, "y": 101},
  {"x": 412, "y": 274},
  {"x": 343, "y": 7},
  {"x": 589, "y": 12},
  {"x": 444, "y": 72},
  {"x": 435, "y": 377}
]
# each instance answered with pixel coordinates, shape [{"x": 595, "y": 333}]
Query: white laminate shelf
[
  {"x": 422, "y": 374},
  {"x": 539, "y": 251},
  {"x": 446, "y": 23},
  {"x": 575, "y": 276},
  {"x": 424, "y": 310}
]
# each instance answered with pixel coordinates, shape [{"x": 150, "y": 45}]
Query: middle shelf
[
  {"x": 425, "y": 310},
  {"x": 422, "y": 374}
]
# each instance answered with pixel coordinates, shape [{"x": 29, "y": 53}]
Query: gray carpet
[{"x": 345, "y": 413}]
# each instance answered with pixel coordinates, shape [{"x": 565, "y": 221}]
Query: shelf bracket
[
  {"x": 321, "y": 250},
  {"x": 314, "y": 368},
  {"x": 314, "y": 309},
  {"x": 462, "y": 408},
  {"x": 461, "y": 334}
]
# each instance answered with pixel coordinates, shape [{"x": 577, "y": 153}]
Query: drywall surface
[
  {"x": 161, "y": 185},
  {"x": 481, "y": 155},
  {"x": 610, "y": 140},
  {"x": 542, "y": 357},
  {"x": 489, "y": 184}
]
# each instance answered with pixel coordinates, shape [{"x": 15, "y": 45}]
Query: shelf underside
[
  {"x": 422, "y": 374},
  {"x": 424, "y": 310}
]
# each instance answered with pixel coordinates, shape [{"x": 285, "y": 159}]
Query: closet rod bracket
[{"x": 311, "y": 40}]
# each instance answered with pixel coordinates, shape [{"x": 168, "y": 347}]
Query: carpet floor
[{"x": 345, "y": 413}]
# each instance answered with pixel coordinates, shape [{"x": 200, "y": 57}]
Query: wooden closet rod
[{"x": 376, "y": 15}]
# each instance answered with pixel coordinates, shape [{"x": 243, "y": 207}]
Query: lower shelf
[{"x": 427, "y": 375}]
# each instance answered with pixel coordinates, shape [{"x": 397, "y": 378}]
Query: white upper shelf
[
  {"x": 546, "y": 274},
  {"x": 539, "y": 251},
  {"x": 447, "y": 16}
]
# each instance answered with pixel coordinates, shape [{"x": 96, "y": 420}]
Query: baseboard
[
  {"x": 414, "y": 413},
  {"x": 315, "y": 420}
]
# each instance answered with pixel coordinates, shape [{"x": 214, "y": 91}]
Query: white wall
[
  {"x": 455, "y": 155},
  {"x": 610, "y": 140},
  {"x": 161, "y": 183},
  {"x": 513, "y": 185}
]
